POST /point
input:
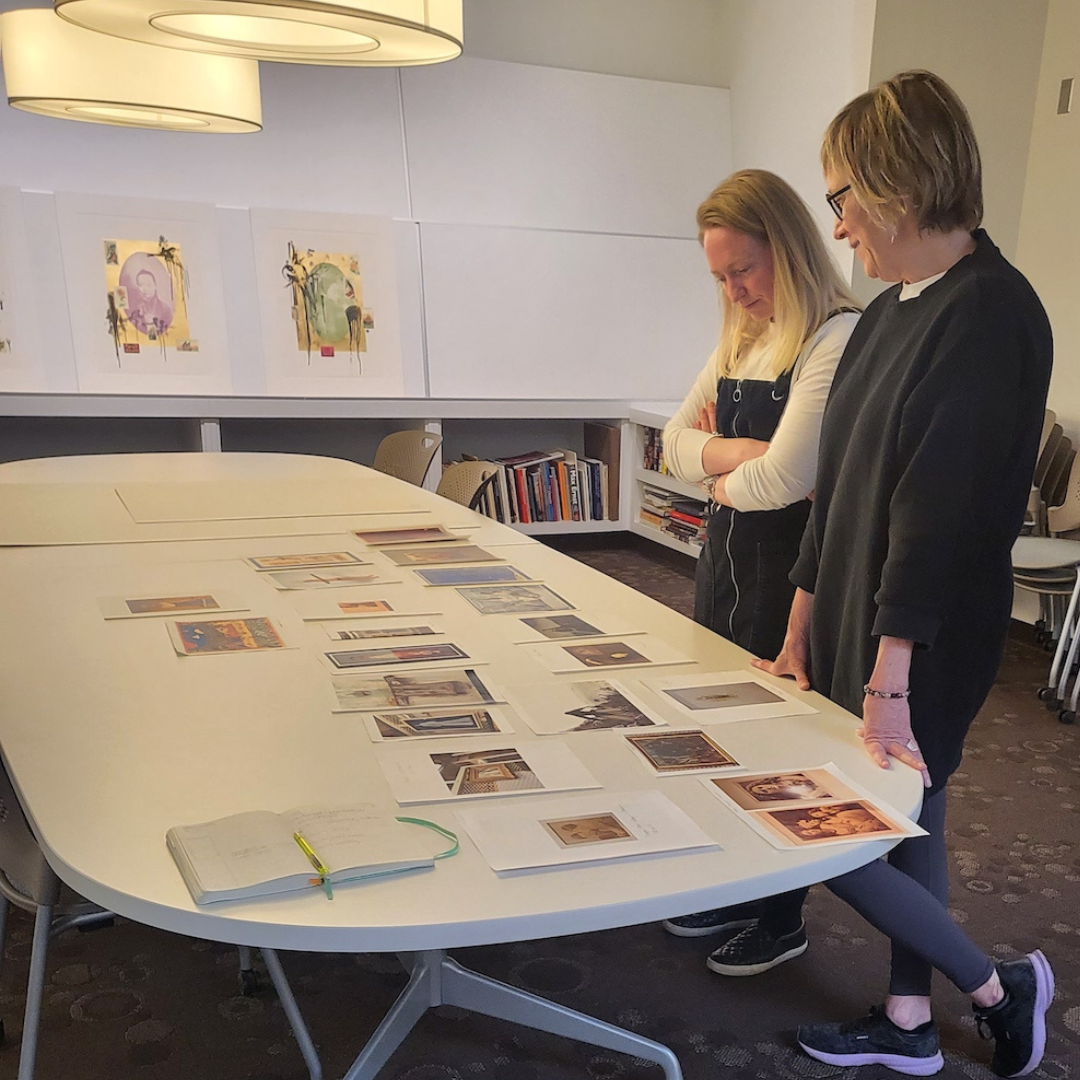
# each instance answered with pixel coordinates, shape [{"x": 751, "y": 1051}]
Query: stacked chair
[{"x": 407, "y": 455}]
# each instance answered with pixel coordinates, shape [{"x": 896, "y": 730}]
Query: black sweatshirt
[{"x": 928, "y": 445}]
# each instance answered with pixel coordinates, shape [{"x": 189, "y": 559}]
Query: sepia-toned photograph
[
  {"x": 854, "y": 820},
  {"x": 595, "y": 829},
  {"x": 486, "y": 772},
  {"x": 775, "y": 791},
  {"x": 681, "y": 751},
  {"x": 606, "y": 654},
  {"x": 723, "y": 696}
]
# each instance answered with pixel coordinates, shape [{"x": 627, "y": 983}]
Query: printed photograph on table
[
  {"x": 390, "y": 657},
  {"x": 834, "y": 822},
  {"x": 514, "y": 599},
  {"x": 471, "y": 575},
  {"x": 597, "y": 829},
  {"x": 587, "y": 705},
  {"x": 373, "y": 633},
  {"x": 459, "y": 553},
  {"x": 641, "y": 651},
  {"x": 297, "y": 562},
  {"x": 780, "y": 790},
  {"x": 681, "y": 752},
  {"x": 326, "y": 579},
  {"x": 386, "y": 727},
  {"x": 135, "y": 607},
  {"x": 422, "y": 534},
  {"x": 453, "y": 688},
  {"x": 225, "y": 636},
  {"x": 542, "y": 628},
  {"x": 396, "y": 603},
  {"x": 723, "y": 696}
]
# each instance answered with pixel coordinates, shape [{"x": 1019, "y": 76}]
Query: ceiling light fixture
[
  {"x": 56, "y": 69},
  {"x": 370, "y": 33}
]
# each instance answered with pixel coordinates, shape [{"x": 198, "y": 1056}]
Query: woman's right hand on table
[{"x": 794, "y": 658}]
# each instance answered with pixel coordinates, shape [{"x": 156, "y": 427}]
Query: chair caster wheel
[
  {"x": 1046, "y": 694},
  {"x": 249, "y": 983},
  {"x": 1067, "y": 716}
]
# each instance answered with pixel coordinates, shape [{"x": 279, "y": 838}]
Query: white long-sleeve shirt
[{"x": 784, "y": 474}]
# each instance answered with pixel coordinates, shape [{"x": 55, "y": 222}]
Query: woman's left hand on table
[{"x": 886, "y": 733}]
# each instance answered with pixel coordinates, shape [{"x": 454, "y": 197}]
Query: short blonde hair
[
  {"x": 907, "y": 146},
  {"x": 807, "y": 287}
]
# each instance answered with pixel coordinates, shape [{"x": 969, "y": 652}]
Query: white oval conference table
[{"x": 111, "y": 738}]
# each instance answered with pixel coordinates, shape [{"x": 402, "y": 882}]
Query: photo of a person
[
  {"x": 831, "y": 822},
  {"x": 149, "y": 294},
  {"x": 598, "y": 829}
]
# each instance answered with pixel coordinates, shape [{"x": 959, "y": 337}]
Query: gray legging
[{"x": 906, "y": 899}]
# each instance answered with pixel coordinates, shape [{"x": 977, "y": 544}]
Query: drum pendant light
[
  {"x": 370, "y": 33},
  {"x": 57, "y": 69}
]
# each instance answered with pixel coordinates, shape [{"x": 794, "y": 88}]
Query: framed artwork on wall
[
  {"x": 146, "y": 294},
  {"x": 328, "y": 304}
]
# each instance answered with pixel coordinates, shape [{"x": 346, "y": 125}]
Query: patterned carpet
[{"x": 133, "y": 1003}]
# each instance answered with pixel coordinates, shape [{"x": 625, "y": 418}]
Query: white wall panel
[
  {"x": 518, "y": 313},
  {"x": 508, "y": 144}
]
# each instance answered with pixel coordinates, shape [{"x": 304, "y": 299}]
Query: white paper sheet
[
  {"x": 586, "y": 828},
  {"x": 615, "y": 655},
  {"x": 421, "y": 774},
  {"x": 725, "y": 696}
]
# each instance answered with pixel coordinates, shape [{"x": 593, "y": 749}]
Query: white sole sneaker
[{"x": 755, "y": 969}]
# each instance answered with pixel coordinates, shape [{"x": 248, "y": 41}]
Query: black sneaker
[
  {"x": 1017, "y": 1023},
  {"x": 875, "y": 1040},
  {"x": 714, "y": 921},
  {"x": 756, "y": 949}
]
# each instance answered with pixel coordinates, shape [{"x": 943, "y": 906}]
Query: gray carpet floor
[{"x": 131, "y": 1003}]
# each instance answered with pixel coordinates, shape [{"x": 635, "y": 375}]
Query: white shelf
[
  {"x": 639, "y": 528},
  {"x": 668, "y": 483},
  {"x": 548, "y": 528}
]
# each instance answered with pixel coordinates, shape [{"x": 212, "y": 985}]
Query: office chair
[
  {"x": 28, "y": 882},
  {"x": 407, "y": 455},
  {"x": 468, "y": 483}
]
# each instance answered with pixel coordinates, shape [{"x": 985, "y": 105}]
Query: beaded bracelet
[{"x": 869, "y": 691}]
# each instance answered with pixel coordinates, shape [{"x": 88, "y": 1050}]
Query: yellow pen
[{"x": 307, "y": 849}]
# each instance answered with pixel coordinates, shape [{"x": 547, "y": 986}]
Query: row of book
[
  {"x": 653, "y": 451},
  {"x": 560, "y": 484},
  {"x": 678, "y": 516}
]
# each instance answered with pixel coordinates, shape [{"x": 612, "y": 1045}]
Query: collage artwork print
[
  {"x": 328, "y": 304},
  {"x": 147, "y": 287}
]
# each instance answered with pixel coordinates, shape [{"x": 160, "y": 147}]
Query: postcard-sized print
[
  {"x": 449, "y": 554},
  {"x": 782, "y": 790},
  {"x": 668, "y": 752},
  {"x": 471, "y": 575},
  {"x": 858, "y": 819},
  {"x": 407, "y": 534},
  {"x": 725, "y": 696},
  {"x": 393, "y": 656},
  {"x": 588, "y": 829},
  {"x": 383, "y": 630},
  {"x": 416, "y": 774},
  {"x": 451, "y": 688},
  {"x": 328, "y": 578},
  {"x": 299, "y": 562},
  {"x": 140, "y": 607},
  {"x": 225, "y": 636},
  {"x": 587, "y": 705},
  {"x": 394, "y": 603},
  {"x": 564, "y": 830},
  {"x": 514, "y": 599},
  {"x": 445, "y": 723},
  {"x": 640, "y": 651},
  {"x": 539, "y": 628}
]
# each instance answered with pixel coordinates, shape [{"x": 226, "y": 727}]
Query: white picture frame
[{"x": 21, "y": 367}]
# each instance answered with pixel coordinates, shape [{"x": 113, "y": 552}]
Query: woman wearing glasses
[
  {"x": 904, "y": 578},
  {"x": 749, "y": 430}
]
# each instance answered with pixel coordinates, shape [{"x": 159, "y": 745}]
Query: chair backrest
[
  {"x": 1050, "y": 441},
  {"x": 1063, "y": 514},
  {"x": 24, "y": 873},
  {"x": 464, "y": 482},
  {"x": 407, "y": 455},
  {"x": 1057, "y": 473}
]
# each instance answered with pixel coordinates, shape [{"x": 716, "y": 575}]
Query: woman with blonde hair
[
  {"x": 904, "y": 578},
  {"x": 749, "y": 430}
]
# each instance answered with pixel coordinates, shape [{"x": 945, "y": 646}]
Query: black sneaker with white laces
[
  {"x": 875, "y": 1040},
  {"x": 756, "y": 949},
  {"x": 714, "y": 921},
  {"x": 1017, "y": 1023}
]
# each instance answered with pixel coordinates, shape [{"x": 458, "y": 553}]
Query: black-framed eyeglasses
[{"x": 833, "y": 199}]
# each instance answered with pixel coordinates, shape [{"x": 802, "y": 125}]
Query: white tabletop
[{"x": 111, "y": 738}]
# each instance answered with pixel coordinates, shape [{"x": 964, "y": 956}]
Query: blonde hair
[
  {"x": 908, "y": 145},
  {"x": 807, "y": 287}
]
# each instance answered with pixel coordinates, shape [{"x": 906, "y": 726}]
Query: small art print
[
  {"x": 226, "y": 635},
  {"x": 471, "y": 575},
  {"x": 486, "y": 772},
  {"x": 325, "y": 579},
  {"x": 723, "y": 696},
  {"x": 593, "y": 829},
  {"x": 857, "y": 819},
  {"x": 455, "y": 553},
  {"x": 783, "y": 790},
  {"x": 419, "y": 690},
  {"x": 432, "y": 725},
  {"x": 405, "y": 654},
  {"x": 170, "y": 604},
  {"x": 364, "y": 607},
  {"x": 382, "y": 632},
  {"x": 562, "y": 627},
  {"x": 514, "y": 599},
  {"x": 681, "y": 751},
  {"x": 606, "y": 654},
  {"x": 423, "y": 534},
  {"x": 297, "y": 562}
]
